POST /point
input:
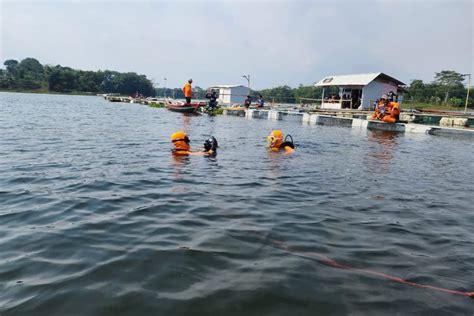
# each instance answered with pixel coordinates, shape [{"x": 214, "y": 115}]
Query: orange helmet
[
  {"x": 180, "y": 140},
  {"x": 275, "y": 139}
]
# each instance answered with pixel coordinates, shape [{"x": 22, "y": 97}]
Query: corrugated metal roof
[{"x": 355, "y": 80}]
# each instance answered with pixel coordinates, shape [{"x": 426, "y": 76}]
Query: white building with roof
[
  {"x": 358, "y": 91},
  {"x": 231, "y": 94}
]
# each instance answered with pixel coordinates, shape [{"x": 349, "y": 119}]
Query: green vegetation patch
[{"x": 156, "y": 104}]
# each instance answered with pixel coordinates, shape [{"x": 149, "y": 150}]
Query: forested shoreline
[{"x": 29, "y": 75}]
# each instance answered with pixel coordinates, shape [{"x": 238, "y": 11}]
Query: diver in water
[
  {"x": 276, "y": 142},
  {"x": 181, "y": 145}
]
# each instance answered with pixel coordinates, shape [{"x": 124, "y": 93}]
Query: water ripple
[{"x": 97, "y": 218}]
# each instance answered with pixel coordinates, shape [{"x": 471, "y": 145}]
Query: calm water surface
[{"x": 97, "y": 218}]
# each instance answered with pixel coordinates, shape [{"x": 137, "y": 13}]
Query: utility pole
[
  {"x": 248, "y": 81},
  {"x": 164, "y": 90},
  {"x": 468, "y": 88}
]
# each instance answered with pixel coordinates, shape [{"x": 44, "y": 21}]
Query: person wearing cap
[
  {"x": 380, "y": 108},
  {"x": 188, "y": 91},
  {"x": 387, "y": 111},
  {"x": 180, "y": 141}
]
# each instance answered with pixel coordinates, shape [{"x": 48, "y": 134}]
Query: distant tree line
[
  {"x": 447, "y": 88},
  {"x": 286, "y": 94},
  {"x": 31, "y": 75}
]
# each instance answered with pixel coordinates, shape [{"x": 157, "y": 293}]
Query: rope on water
[{"x": 332, "y": 263}]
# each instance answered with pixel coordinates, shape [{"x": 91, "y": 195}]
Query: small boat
[{"x": 183, "y": 107}]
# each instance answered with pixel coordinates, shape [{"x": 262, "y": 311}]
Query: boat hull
[{"x": 184, "y": 107}]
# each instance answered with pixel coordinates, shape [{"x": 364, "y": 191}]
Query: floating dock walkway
[
  {"x": 450, "y": 125},
  {"x": 352, "y": 120}
]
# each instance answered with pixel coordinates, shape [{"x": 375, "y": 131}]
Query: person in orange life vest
[
  {"x": 395, "y": 110},
  {"x": 188, "y": 91},
  {"x": 275, "y": 142},
  {"x": 386, "y": 110},
  {"x": 181, "y": 145}
]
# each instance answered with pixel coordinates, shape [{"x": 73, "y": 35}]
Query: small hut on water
[
  {"x": 358, "y": 91},
  {"x": 231, "y": 94}
]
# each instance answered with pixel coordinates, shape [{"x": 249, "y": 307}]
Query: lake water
[{"x": 98, "y": 218}]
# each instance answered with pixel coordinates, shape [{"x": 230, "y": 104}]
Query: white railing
[{"x": 343, "y": 103}]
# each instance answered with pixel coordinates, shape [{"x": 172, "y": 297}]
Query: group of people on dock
[
  {"x": 260, "y": 101},
  {"x": 386, "y": 110}
]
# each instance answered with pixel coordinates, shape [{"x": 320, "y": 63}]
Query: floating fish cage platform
[{"x": 446, "y": 125}]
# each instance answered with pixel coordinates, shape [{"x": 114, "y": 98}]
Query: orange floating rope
[{"x": 332, "y": 263}]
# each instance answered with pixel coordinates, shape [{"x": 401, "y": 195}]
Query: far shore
[
  {"x": 48, "y": 92},
  {"x": 405, "y": 105}
]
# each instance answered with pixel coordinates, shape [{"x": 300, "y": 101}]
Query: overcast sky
[{"x": 216, "y": 42}]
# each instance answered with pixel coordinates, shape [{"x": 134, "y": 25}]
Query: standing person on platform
[
  {"x": 188, "y": 91},
  {"x": 260, "y": 101},
  {"x": 248, "y": 102}
]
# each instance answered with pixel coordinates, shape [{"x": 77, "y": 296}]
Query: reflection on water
[
  {"x": 99, "y": 222},
  {"x": 380, "y": 154},
  {"x": 178, "y": 166},
  {"x": 186, "y": 118}
]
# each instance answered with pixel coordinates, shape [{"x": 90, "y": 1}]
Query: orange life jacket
[
  {"x": 187, "y": 90},
  {"x": 395, "y": 109},
  {"x": 387, "y": 112}
]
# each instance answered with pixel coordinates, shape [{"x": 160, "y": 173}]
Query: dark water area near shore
[{"x": 98, "y": 218}]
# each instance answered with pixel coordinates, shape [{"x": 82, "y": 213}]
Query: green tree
[
  {"x": 3, "y": 79},
  {"x": 29, "y": 74},
  {"x": 12, "y": 67},
  {"x": 89, "y": 81},
  {"x": 109, "y": 82},
  {"x": 31, "y": 69},
  {"x": 309, "y": 92},
  {"x": 416, "y": 91},
  {"x": 199, "y": 93},
  {"x": 62, "y": 79},
  {"x": 448, "y": 80},
  {"x": 283, "y": 94}
]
